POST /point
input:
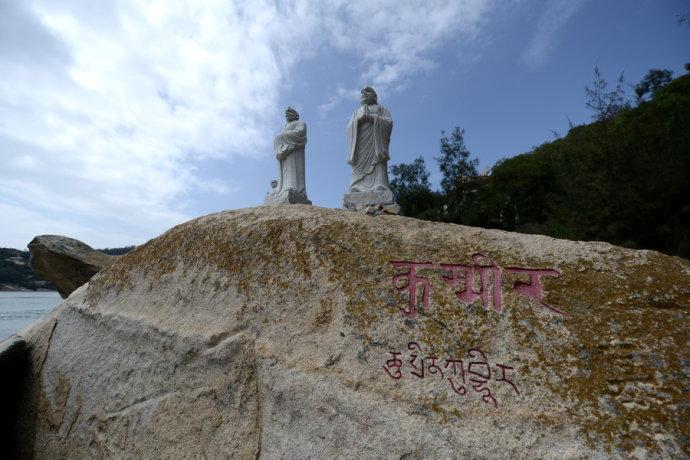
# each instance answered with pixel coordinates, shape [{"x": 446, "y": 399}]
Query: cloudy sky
[{"x": 119, "y": 119}]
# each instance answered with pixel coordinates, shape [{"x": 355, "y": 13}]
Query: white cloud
[
  {"x": 105, "y": 107},
  {"x": 18, "y": 222},
  {"x": 340, "y": 95},
  {"x": 554, "y": 17},
  {"x": 393, "y": 39}
]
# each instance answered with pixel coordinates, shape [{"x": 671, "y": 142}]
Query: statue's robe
[
  {"x": 289, "y": 149},
  {"x": 369, "y": 142}
]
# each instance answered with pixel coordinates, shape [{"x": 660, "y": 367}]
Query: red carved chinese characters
[
  {"x": 483, "y": 269},
  {"x": 412, "y": 280},
  {"x": 477, "y": 372}
]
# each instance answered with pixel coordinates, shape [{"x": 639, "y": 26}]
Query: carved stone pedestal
[
  {"x": 358, "y": 200},
  {"x": 289, "y": 196}
]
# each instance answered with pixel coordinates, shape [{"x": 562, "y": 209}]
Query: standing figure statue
[
  {"x": 369, "y": 134},
  {"x": 288, "y": 147}
]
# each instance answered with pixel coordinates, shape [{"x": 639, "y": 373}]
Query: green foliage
[
  {"x": 623, "y": 179},
  {"x": 517, "y": 193},
  {"x": 605, "y": 104},
  {"x": 407, "y": 177},
  {"x": 458, "y": 172},
  {"x": 454, "y": 162},
  {"x": 653, "y": 82},
  {"x": 410, "y": 186},
  {"x": 116, "y": 251}
]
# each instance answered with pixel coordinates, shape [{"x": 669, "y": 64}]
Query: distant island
[{"x": 16, "y": 274}]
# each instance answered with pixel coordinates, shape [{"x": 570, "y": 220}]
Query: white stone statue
[
  {"x": 289, "y": 150},
  {"x": 369, "y": 134}
]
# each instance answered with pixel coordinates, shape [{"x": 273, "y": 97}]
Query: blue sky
[{"x": 121, "y": 119}]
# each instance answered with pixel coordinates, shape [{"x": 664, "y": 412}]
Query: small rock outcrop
[
  {"x": 302, "y": 332},
  {"x": 66, "y": 262}
]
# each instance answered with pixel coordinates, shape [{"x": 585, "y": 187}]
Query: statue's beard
[{"x": 368, "y": 100}]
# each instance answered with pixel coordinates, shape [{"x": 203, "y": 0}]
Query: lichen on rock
[{"x": 276, "y": 331}]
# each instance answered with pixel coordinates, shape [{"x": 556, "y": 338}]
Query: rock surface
[
  {"x": 268, "y": 332},
  {"x": 379, "y": 209},
  {"x": 14, "y": 369},
  {"x": 66, "y": 262}
]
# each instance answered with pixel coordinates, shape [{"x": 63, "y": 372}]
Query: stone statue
[
  {"x": 289, "y": 149},
  {"x": 369, "y": 134}
]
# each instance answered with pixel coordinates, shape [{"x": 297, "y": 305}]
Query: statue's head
[
  {"x": 368, "y": 96},
  {"x": 291, "y": 114}
]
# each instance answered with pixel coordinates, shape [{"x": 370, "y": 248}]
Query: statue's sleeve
[
  {"x": 386, "y": 119},
  {"x": 383, "y": 126},
  {"x": 352, "y": 137},
  {"x": 294, "y": 136}
]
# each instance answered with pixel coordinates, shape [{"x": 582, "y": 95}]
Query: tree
[
  {"x": 407, "y": 177},
  {"x": 653, "y": 82},
  {"x": 455, "y": 163},
  {"x": 623, "y": 181},
  {"x": 410, "y": 186},
  {"x": 518, "y": 193},
  {"x": 457, "y": 170},
  {"x": 116, "y": 251},
  {"x": 605, "y": 104}
]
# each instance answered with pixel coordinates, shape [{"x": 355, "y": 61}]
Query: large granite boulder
[
  {"x": 66, "y": 262},
  {"x": 302, "y": 332}
]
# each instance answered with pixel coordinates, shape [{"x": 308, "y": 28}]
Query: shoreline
[{"x": 18, "y": 289}]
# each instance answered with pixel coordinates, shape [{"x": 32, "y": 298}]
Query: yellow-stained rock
[{"x": 272, "y": 332}]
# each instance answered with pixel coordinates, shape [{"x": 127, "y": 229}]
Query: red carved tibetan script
[
  {"x": 475, "y": 372},
  {"x": 394, "y": 364}
]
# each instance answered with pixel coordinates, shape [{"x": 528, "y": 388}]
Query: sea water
[{"x": 19, "y": 309}]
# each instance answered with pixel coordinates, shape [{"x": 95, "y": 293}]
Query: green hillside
[{"x": 624, "y": 179}]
